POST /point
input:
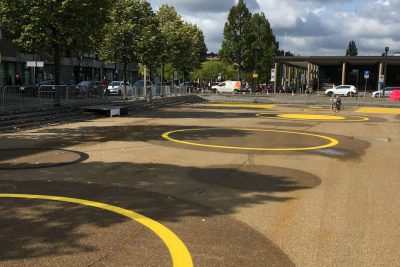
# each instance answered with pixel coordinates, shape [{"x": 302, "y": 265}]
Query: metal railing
[{"x": 26, "y": 97}]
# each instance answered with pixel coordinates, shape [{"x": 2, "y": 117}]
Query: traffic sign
[
  {"x": 381, "y": 78},
  {"x": 272, "y": 75},
  {"x": 255, "y": 75},
  {"x": 37, "y": 64},
  {"x": 366, "y": 74}
]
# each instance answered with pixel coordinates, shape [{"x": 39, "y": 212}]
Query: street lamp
[{"x": 384, "y": 70}]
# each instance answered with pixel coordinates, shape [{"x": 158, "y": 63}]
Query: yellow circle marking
[
  {"x": 332, "y": 142},
  {"x": 179, "y": 253},
  {"x": 237, "y": 105},
  {"x": 310, "y": 117},
  {"x": 316, "y": 117}
]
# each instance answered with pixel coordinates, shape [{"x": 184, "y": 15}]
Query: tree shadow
[
  {"x": 194, "y": 113},
  {"x": 37, "y": 228},
  {"x": 48, "y": 138}
]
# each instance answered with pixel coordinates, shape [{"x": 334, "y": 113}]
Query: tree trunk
[
  {"x": 162, "y": 79},
  {"x": 57, "y": 68}
]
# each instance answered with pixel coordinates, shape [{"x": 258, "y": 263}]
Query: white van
[{"x": 227, "y": 87}]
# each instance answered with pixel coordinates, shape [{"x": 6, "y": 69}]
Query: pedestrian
[
  {"x": 18, "y": 80},
  {"x": 334, "y": 104},
  {"x": 338, "y": 103},
  {"x": 104, "y": 81}
]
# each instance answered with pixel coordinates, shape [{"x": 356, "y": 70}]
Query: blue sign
[{"x": 366, "y": 74}]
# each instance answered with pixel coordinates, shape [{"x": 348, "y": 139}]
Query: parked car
[
  {"x": 52, "y": 82},
  {"x": 117, "y": 88},
  {"x": 325, "y": 86},
  {"x": 388, "y": 91},
  {"x": 344, "y": 90},
  {"x": 89, "y": 87}
]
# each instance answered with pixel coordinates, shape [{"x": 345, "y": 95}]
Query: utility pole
[{"x": 385, "y": 70}]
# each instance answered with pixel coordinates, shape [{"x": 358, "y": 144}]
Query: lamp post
[{"x": 384, "y": 70}]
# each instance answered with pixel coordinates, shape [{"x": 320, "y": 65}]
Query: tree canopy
[
  {"x": 236, "y": 47},
  {"x": 131, "y": 34},
  {"x": 249, "y": 43},
  {"x": 352, "y": 49},
  {"x": 183, "y": 47},
  {"x": 48, "y": 27},
  {"x": 211, "y": 70}
]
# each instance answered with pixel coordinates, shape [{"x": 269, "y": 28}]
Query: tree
[
  {"x": 236, "y": 47},
  {"x": 183, "y": 44},
  {"x": 131, "y": 35},
  {"x": 193, "y": 49},
  {"x": 170, "y": 22},
  {"x": 282, "y": 53},
  {"x": 352, "y": 49},
  {"x": 211, "y": 69},
  {"x": 48, "y": 27},
  {"x": 264, "y": 46}
]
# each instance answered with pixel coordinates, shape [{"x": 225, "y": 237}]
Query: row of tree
[{"x": 118, "y": 31}]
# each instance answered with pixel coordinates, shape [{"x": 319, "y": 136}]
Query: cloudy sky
[{"x": 312, "y": 27}]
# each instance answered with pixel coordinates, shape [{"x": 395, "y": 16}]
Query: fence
[{"x": 18, "y": 98}]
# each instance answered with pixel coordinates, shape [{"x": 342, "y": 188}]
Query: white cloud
[{"x": 313, "y": 27}]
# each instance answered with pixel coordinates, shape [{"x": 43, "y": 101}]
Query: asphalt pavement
[{"x": 205, "y": 185}]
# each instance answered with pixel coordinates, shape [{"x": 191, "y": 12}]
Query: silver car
[
  {"x": 117, "y": 88},
  {"x": 388, "y": 91}
]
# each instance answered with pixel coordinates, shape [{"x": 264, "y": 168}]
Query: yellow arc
[
  {"x": 311, "y": 117},
  {"x": 332, "y": 142},
  {"x": 179, "y": 253},
  {"x": 316, "y": 117}
]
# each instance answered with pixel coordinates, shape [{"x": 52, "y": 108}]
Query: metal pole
[
  {"x": 384, "y": 71},
  {"x": 365, "y": 90}
]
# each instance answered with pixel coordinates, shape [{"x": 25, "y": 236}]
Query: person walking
[
  {"x": 18, "y": 80},
  {"x": 334, "y": 104},
  {"x": 338, "y": 103}
]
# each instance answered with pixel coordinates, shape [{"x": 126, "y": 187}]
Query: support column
[
  {"x": 308, "y": 73},
  {"x": 379, "y": 74},
  {"x": 344, "y": 73}
]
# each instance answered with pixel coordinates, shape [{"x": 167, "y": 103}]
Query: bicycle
[{"x": 334, "y": 105}]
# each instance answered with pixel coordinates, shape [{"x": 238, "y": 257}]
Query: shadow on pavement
[{"x": 38, "y": 232}]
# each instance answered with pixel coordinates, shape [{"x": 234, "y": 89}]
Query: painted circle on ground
[
  {"x": 310, "y": 116},
  {"x": 179, "y": 253},
  {"x": 314, "y": 117},
  {"x": 36, "y": 158},
  {"x": 331, "y": 141}
]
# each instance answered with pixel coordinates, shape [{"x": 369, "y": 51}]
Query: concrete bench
[{"x": 110, "y": 111}]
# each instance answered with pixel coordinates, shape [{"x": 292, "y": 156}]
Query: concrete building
[
  {"x": 315, "y": 71},
  {"x": 89, "y": 67}
]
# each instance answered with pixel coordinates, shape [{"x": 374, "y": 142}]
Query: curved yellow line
[
  {"x": 179, "y": 253},
  {"x": 310, "y": 116},
  {"x": 332, "y": 142},
  {"x": 281, "y": 116}
]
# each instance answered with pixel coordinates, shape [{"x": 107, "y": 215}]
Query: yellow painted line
[
  {"x": 236, "y": 105},
  {"x": 332, "y": 142},
  {"x": 379, "y": 110},
  {"x": 316, "y": 117},
  {"x": 310, "y": 117},
  {"x": 179, "y": 253},
  {"x": 315, "y": 107}
]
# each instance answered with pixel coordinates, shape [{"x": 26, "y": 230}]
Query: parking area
[{"x": 215, "y": 184}]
